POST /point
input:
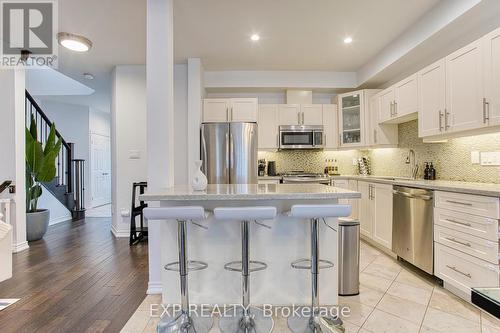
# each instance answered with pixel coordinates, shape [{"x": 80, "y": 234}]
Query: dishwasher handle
[{"x": 411, "y": 196}]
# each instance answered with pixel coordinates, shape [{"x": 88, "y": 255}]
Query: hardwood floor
[{"x": 79, "y": 278}]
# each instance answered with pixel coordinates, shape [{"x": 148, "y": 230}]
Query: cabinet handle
[
  {"x": 486, "y": 116},
  {"x": 231, "y": 113},
  {"x": 440, "y": 121},
  {"x": 392, "y": 109},
  {"x": 457, "y": 222},
  {"x": 277, "y": 140},
  {"x": 458, "y": 242},
  {"x": 303, "y": 118},
  {"x": 459, "y": 202},
  {"x": 453, "y": 268},
  {"x": 446, "y": 114},
  {"x": 375, "y": 136},
  {"x": 298, "y": 118},
  {"x": 395, "y": 108},
  {"x": 227, "y": 114},
  {"x": 340, "y": 139}
]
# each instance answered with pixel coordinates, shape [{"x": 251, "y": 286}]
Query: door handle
[
  {"x": 453, "y": 268},
  {"x": 446, "y": 118},
  {"x": 457, "y": 222},
  {"x": 458, "y": 242},
  {"x": 459, "y": 202},
  {"x": 411, "y": 196},
  {"x": 486, "y": 116},
  {"x": 105, "y": 174},
  {"x": 440, "y": 121}
]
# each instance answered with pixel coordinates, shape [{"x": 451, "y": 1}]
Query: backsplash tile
[{"x": 451, "y": 159}]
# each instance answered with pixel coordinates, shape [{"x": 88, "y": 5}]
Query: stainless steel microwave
[{"x": 301, "y": 137}]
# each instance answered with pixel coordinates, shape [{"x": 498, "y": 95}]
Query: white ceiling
[{"x": 295, "y": 35}]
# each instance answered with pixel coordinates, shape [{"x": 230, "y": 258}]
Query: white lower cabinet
[
  {"x": 466, "y": 251},
  {"x": 375, "y": 212},
  {"x": 463, "y": 271},
  {"x": 349, "y": 185}
]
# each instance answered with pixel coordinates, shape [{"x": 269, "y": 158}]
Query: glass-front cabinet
[{"x": 352, "y": 119}]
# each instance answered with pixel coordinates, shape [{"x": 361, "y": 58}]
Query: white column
[
  {"x": 12, "y": 146},
  {"x": 160, "y": 114},
  {"x": 196, "y": 92}
]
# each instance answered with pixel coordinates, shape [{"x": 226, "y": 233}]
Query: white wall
[
  {"x": 12, "y": 149},
  {"x": 72, "y": 121},
  {"x": 128, "y": 132}
]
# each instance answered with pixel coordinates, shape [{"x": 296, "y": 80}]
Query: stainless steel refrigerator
[{"x": 229, "y": 152}]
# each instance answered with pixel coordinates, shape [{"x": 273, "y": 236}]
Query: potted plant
[{"x": 40, "y": 167}]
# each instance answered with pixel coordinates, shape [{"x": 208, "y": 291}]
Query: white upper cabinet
[
  {"x": 399, "y": 103},
  {"x": 330, "y": 126},
  {"x": 289, "y": 114},
  {"x": 243, "y": 110},
  {"x": 432, "y": 101},
  {"x": 352, "y": 119},
  {"x": 491, "y": 51},
  {"x": 386, "y": 104},
  {"x": 312, "y": 114},
  {"x": 464, "y": 89},
  {"x": 379, "y": 135},
  {"x": 406, "y": 99},
  {"x": 216, "y": 110},
  {"x": 229, "y": 110},
  {"x": 268, "y": 126}
]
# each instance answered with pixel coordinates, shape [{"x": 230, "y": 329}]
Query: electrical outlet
[
  {"x": 490, "y": 158},
  {"x": 354, "y": 161},
  {"x": 475, "y": 158}
]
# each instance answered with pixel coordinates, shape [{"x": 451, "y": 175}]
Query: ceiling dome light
[
  {"x": 74, "y": 42},
  {"x": 255, "y": 37},
  {"x": 348, "y": 40},
  {"x": 88, "y": 76}
]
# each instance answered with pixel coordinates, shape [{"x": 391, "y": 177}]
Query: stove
[{"x": 301, "y": 177}]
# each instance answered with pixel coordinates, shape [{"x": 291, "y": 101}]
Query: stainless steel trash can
[{"x": 348, "y": 257}]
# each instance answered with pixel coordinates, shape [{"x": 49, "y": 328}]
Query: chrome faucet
[{"x": 411, "y": 160}]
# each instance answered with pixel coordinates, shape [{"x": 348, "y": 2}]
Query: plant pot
[{"x": 37, "y": 224}]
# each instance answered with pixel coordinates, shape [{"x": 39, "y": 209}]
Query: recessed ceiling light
[
  {"x": 348, "y": 40},
  {"x": 74, "y": 42},
  {"x": 255, "y": 37},
  {"x": 88, "y": 76}
]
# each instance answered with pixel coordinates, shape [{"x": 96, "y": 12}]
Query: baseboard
[
  {"x": 378, "y": 246},
  {"x": 154, "y": 288},
  {"x": 60, "y": 219},
  {"x": 16, "y": 248},
  {"x": 120, "y": 233}
]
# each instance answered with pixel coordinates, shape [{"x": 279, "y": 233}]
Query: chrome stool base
[
  {"x": 184, "y": 323},
  {"x": 315, "y": 323},
  {"x": 234, "y": 321}
]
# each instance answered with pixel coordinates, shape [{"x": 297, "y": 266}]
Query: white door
[
  {"x": 464, "y": 89},
  {"x": 100, "y": 172},
  {"x": 491, "y": 44},
  {"x": 432, "y": 99},
  {"x": 406, "y": 96},
  {"x": 268, "y": 126},
  {"x": 382, "y": 226},
  {"x": 243, "y": 110},
  {"x": 312, "y": 114},
  {"x": 365, "y": 209},
  {"x": 386, "y": 105},
  {"x": 215, "y": 110},
  {"x": 330, "y": 126},
  {"x": 289, "y": 114}
]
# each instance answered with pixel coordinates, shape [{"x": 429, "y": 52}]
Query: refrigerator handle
[
  {"x": 203, "y": 153},
  {"x": 229, "y": 149}
]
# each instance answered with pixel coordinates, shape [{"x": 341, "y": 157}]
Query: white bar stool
[
  {"x": 246, "y": 319},
  {"x": 184, "y": 322},
  {"x": 313, "y": 323}
]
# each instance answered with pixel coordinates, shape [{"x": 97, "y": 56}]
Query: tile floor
[{"x": 393, "y": 298}]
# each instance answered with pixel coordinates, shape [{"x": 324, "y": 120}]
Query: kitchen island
[{"x": 288, "y": 240}]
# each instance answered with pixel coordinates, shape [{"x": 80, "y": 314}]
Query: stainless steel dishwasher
[{"x": 412, "y": 226}]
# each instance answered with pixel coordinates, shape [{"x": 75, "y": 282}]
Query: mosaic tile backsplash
[{"x": 451, "y": 159}]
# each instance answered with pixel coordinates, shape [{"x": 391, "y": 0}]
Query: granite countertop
[
  {"x": 486, "y": 189},
  {"x": 251, "y": 192},
  {"x": 270, "y": 177}
]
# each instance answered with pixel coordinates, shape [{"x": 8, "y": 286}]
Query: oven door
[{"x": 296, "y": 139}]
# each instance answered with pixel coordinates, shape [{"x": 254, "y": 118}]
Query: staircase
[{"x": 68, "y": 185}]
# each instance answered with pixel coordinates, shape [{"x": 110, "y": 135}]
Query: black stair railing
[{"x": 65, "y": 160}]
